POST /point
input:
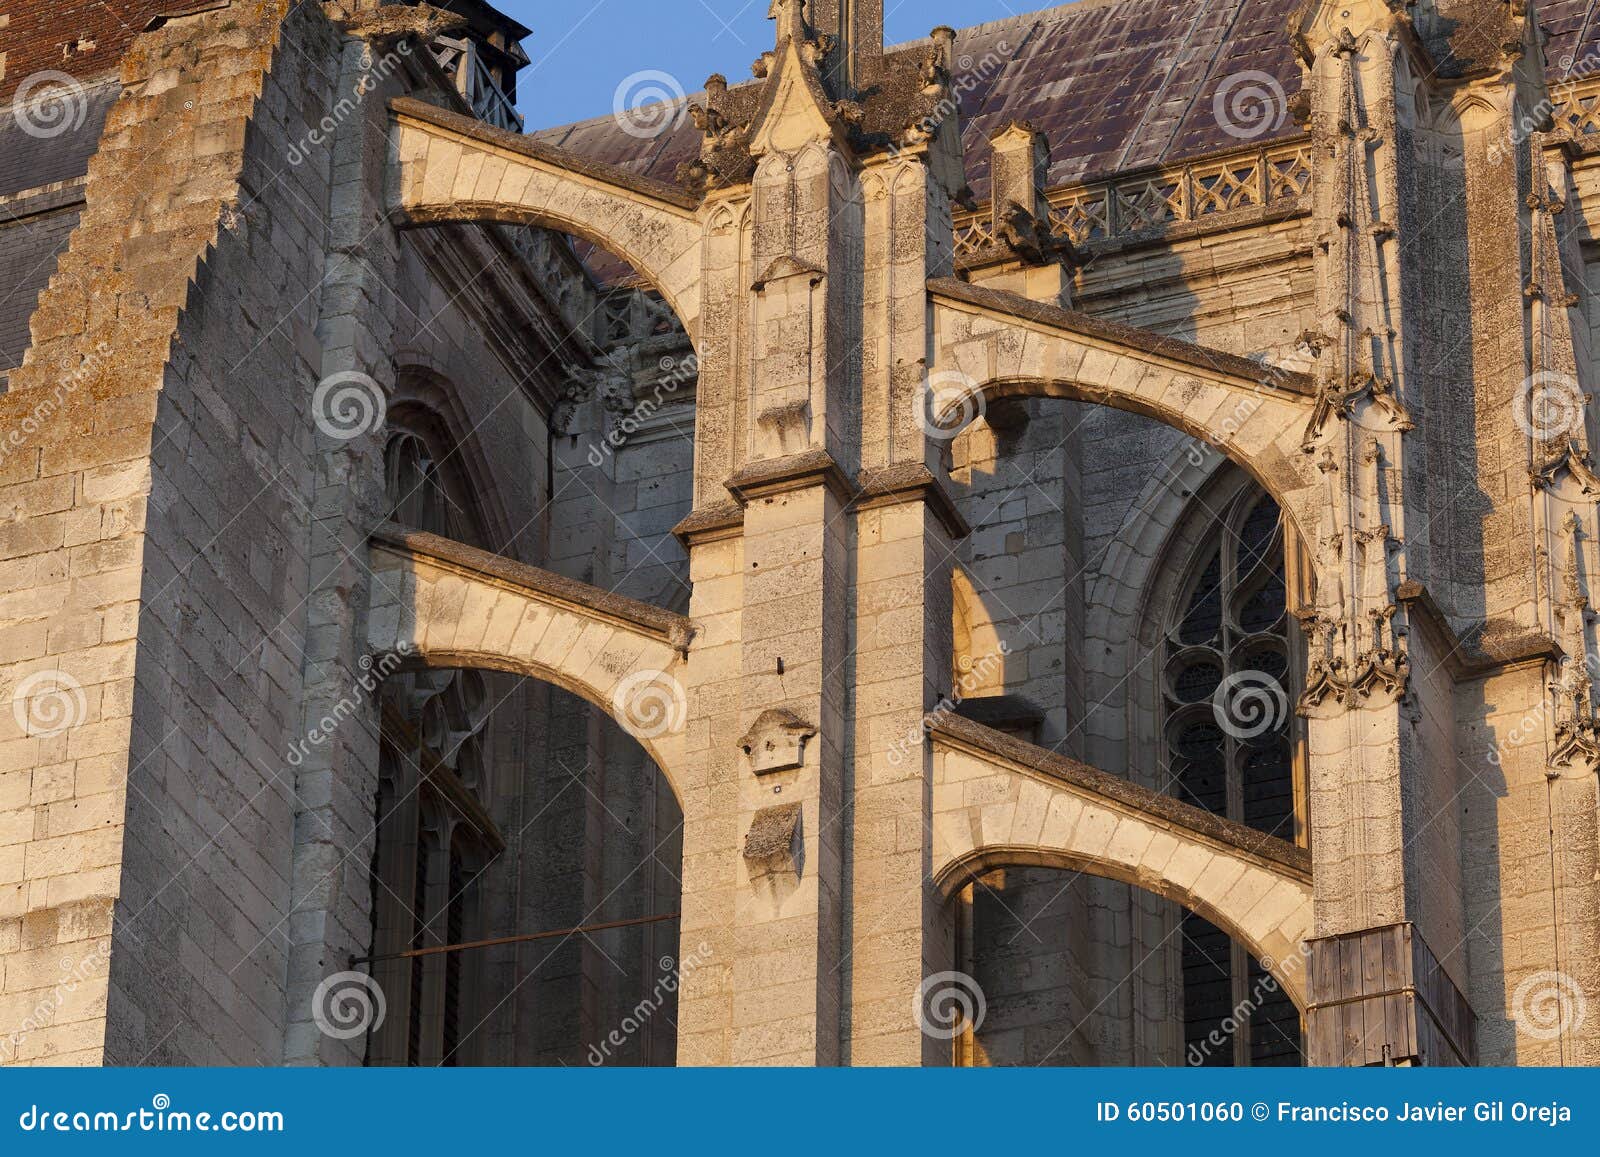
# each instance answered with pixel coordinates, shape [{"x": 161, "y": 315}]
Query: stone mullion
[
  {"x": 435, "y": 933},
  {"x": 397, "y": 848}
]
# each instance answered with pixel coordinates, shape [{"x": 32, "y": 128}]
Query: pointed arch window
[
  {"x": 1227, "y": 691},
  {"x": 421, "y": 489},
  {"x": 435, "y": 837}
]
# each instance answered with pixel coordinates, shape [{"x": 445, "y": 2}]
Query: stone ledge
[
  {"x": 27, "y": 203},
  {"x": 906, "y": 482},
  {"x": 481, "y": 133},
  {"x": 676, "y": 630},
  {"x": 1468, "y": 660},
  {"x": 808, "y": 468},
  {"x": 709, "y": 523},
  {"x": 1233, "y": 836},
  {"x": 1140, "y": 341},
  {"x": 1001, "y": 711}
]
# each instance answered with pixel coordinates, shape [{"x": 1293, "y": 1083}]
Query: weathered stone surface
[{"x": 667, "y": 612}]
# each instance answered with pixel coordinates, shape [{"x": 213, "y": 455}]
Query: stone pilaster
[{"x": 1377, "y": 693}]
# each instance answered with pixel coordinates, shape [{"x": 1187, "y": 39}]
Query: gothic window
[
  {"x": 434, "y": 835},
  {"x": 1230, "y": 749},
  {"x": 419, "y": 489}
]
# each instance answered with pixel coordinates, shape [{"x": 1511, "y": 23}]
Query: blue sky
[{"x": 583, "y": 49}]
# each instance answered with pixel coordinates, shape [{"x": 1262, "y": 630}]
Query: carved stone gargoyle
[{"x": 776, "y": 741}]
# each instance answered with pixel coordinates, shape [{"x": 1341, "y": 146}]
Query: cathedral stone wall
[{"x": 295, "y": 244}]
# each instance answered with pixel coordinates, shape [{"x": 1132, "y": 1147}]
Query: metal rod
[{"x": 582, "y": 928}]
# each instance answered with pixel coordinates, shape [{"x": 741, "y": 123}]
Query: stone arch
[
  {"x": 999, "y": 802},
  {"x": 446, "y": 167},
  {"x": 1006, "y": 346},
  {"x": 439, "y": 604}
]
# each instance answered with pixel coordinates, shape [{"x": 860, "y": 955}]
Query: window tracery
[
  {"x": 435, "y": 836},
  {"x": 1229, "y": 738}
]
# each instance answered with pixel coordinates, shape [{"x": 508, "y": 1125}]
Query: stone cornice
[
  {"x": 908, "y": 482},
  {"x": 800, "y": 471},
  {"x": 710, "y": 523},
  {"x": 1466, "y": 660}
]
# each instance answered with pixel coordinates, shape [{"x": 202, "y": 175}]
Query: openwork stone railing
[
  {"x": 1152, "y": 200},
  {"x": 1577, "y": 106}
]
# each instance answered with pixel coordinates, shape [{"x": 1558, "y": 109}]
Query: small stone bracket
[
  {"x": 773, "y": 844},
  {"x": 776, "y": 741}
]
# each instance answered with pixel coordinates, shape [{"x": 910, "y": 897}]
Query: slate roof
[
  {"x": 28, "y": 161},
  {"x": 1118, "y": 84},
  {"x": 28, "y": 250},
  {"x": 1113, "y": 84}
]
